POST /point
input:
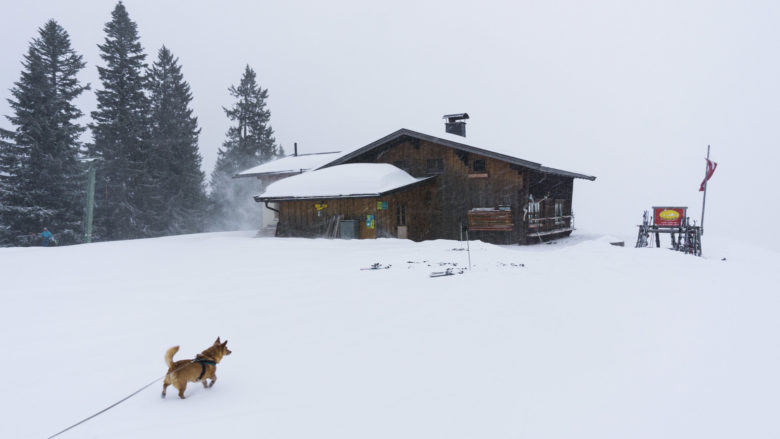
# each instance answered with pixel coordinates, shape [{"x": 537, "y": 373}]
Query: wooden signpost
[{"x": 675, "y": 221}]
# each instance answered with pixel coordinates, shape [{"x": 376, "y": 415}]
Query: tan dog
[{"x": 202, "y": 368}]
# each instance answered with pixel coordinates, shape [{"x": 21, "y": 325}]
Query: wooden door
[{"x": 368, "y": 226}]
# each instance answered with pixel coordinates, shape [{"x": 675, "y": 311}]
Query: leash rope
[
  {"x": 107, "y": 408},
  {"x": 131, "y": 395}
]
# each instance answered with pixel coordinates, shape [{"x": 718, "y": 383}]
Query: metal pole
[
  {"x": 468, "y": 250},
  {"x": 90, "y": 202},
  {"x": 704, "y": 198}
]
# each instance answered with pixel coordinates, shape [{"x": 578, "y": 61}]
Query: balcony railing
[{"x": 549, "y": 225}]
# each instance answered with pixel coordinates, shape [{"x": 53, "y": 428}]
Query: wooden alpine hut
[{"x": 439, "y": 189}]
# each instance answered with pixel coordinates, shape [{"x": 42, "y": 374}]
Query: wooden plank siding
[
  {"x": 300, "y": 217},
  {"x": 458, "y": 187}
]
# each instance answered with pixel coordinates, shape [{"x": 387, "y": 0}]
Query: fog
[{"x": 630, "y": 92}]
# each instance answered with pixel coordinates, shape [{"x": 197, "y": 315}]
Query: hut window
[
  {"x": 534, "y": 207},
  {"x": 435, "y": 166},
  {"x": 478, "y": 166},
  {"x": 400, "y": 214},
  {"x": 402, "y": 164},
  {"x": 558, "y": 207}
]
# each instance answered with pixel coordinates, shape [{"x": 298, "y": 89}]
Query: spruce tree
[
  {"x": 120, "y": 133},
  {"x": 179, "y": 205},
  {"x": 44, "y": 176},
  {"x": 250, "y": 142},
  {"x": 8, "y": 163}
]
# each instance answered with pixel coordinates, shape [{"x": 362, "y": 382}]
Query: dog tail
[{"x": 169, "y": 355}]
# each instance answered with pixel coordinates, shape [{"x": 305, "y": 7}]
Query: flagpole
[{"x": 704, "y": 198}]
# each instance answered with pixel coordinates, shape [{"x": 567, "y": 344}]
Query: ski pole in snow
[{"x": 468, "y": 250}]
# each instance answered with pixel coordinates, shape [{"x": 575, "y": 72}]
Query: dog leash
[
  {"x": 123, "y": 399},
  {"x": 107, "y": 408}
]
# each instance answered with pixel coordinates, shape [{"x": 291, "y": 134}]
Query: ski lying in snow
[
  {"x": 377, "y": 266},
  {"x": 447, "y": 272}
]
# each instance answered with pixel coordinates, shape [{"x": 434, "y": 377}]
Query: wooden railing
[{"x": 549, "y": 226}]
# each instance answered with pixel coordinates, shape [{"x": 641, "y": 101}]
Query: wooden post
[{"x": 90, "y": 202}]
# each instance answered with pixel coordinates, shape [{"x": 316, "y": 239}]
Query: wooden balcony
[{"x": 541, "y": 227}]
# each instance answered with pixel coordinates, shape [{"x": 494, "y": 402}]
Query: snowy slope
[{"x": 586, "y": 340}]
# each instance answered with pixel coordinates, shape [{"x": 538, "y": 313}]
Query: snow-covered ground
[{"x": 584, "y": 340}]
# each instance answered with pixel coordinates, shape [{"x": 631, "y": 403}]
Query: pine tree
[
  {"x": 9, "y": 156},
  {"x": 179, "y": 205},
  {"x": 44, "y": 176},
  {"x": 120, "y": 132},
  {"x": 249, "y": 142}
]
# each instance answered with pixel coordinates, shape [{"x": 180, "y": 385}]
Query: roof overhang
[
  {"x": 260, "y": 198},
  {"x": 268, "y": 174},
  {"x": 458, "y": 146},
  {"x": 293, "y": 164}
]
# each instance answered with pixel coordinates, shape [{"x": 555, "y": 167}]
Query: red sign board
[{"x": 669, "y": 216}]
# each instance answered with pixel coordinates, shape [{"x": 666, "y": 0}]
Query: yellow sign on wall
[{"x": 319, "y": 206}]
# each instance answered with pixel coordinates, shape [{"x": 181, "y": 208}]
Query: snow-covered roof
[
  {"x": 455, "y": 142},
  {"x": 292, "y": 164},
  {"x": 353, "y": 180}
]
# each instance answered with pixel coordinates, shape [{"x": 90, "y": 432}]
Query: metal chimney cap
[{"x": 455, "y": 117}]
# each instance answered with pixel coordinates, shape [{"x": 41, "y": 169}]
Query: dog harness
[{"x": 203, "y": 362}]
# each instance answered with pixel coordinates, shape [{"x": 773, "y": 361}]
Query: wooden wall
[
  {"x": 301, "y": 218},
  {"x": 458, "y": 187}
]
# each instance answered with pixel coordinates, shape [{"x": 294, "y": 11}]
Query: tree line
[{"x": 144, "y": 145}]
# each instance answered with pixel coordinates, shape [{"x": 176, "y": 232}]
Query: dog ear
[
  {"x": 217, "y": 342},
  {"x": 225, "y": 343}
]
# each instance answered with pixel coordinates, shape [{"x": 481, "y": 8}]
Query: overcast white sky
[{"x": 629, "y": 91}]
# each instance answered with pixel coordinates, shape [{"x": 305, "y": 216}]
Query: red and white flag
[{"x": 710, "y": 170}]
